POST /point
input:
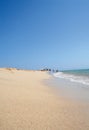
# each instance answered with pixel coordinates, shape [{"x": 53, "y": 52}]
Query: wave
[{"x": 73, "y": 78}]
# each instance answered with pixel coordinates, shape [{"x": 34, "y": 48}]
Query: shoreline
[
  {"x": 26, "y": 102},
  {"x": 69, "y": 90}
]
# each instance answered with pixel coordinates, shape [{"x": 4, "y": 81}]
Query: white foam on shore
[{"x": 73, "y": 78}]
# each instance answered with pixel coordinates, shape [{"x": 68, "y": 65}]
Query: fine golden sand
[{"x": 27, "y": 104}]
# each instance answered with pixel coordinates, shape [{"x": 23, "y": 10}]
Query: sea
[{"x": 79, "y": 76}]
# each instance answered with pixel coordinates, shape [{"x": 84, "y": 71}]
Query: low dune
[{"x": 26, "y": 103}]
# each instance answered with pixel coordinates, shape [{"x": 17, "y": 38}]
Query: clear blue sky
[{"x": 39, "y": 33}]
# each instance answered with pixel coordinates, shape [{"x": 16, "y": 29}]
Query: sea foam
[{"x": 73, "y": 78}]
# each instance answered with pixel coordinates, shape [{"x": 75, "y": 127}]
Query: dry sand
[{"x": 27, "y": 104}]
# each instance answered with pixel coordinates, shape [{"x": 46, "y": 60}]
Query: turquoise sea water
[
  {"x": 80, "y": 72},
  {"x": 80, "y": 76}
]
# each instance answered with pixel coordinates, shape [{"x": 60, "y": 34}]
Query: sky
[{"x": 44, "y": 33}]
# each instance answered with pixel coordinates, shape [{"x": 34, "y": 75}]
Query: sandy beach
[{"x": 26, "y": 103}]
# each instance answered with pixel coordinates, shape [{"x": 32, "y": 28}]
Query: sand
[{"x": 26, "y": 103}]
